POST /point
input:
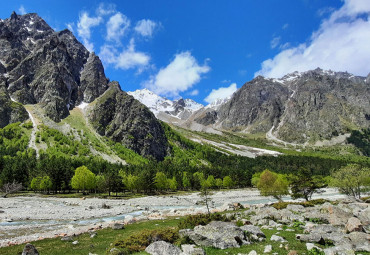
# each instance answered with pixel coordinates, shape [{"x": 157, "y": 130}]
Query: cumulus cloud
[
  {"x": 145, "y": 27},
  {"x": 340, "y": 44},
  {"x": 84, "y": 25},
  {"x": 221, "y": 93},
  {"x": 195, "y": 92},
  {"x": 117, "y": 25},
  {"x": 22, "y": 10},
  {"x": 70, "y": 26},
  {"x": 126, "y": 59},
  {"x": 178, "y": 76}
]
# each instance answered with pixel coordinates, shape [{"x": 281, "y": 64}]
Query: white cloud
[
  {"x": 145, "y": 27},
  {"x": 221, "y": 93},
  {"x": 340, "y": 44},
  {"x": 84, "y": 25},
  {"x": 285, "y": 26},
  {"x": 22, "y": 10},
  {"x": 117, "y": 25},
  {"x": 275, "y": 42},
  {"x": 127, "y": 59},
  {"x": 195, "y": 92},
  {"x": 178, "y": 76},
  {"x": 105, "y": 9},
  {"x": 70, "y": 26}
]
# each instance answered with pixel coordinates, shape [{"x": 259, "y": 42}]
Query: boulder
[
  {"x": 162, "y": 248},
  {"x": 191, "y": 249},
  {"x": 360, "y": 241},
  {"x": 117, "y": 226},
  {"x": 295, "y": 208},
  {"x": 353, "y": 224},
  {"x": 218, "y": 234},
  {"x": 254, "y": 230},
  {"x": 67, "y": 238},
  {"x": 311, "y": 246},
  {"x": 340, "y": 250},
  {"x": 277, "y": 239},
  {"x": 29, "y": 249}
]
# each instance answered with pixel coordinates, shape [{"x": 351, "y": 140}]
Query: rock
[
  {"x": 162, "y": 248},
  {"x": 277, "y": 239},
  {"x": 339, "y": 250},
  {"x": 253, "y": 230},
  {"x": 114, "y": 250},
  {"x": 252, "y": 252},
  {"x": 93, "y": 235},
  {"x": 353, "y": 224},
  {"x": 218, "y": 234},
  {"x": 29, "y": 249},
  {"x": 67, "y": 238},
  {"x": 128, "y": 219},
  {"x": 310, "y": 246},
  {"x": 117, "y": 226},
  {"x": 360, "y": 241},
  {"x": 293, "y": 252},
  {"x": 268, "y": 248},
  {"x": 295, "y": 208},
  {"x": 191, "y": 249},
  {"x": 75, "y": 242}
]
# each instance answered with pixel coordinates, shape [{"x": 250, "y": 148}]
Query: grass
[{"x": 86, "y": 245}]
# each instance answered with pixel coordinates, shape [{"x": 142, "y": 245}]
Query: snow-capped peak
[
  {"x": 218, "y": 102},
  {"x": 154, "y": 102}
]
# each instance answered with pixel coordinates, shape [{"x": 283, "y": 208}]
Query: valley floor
[{"x": 25, "y": 219}]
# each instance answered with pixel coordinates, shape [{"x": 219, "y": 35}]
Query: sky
[{"x": 205, "y": 50}]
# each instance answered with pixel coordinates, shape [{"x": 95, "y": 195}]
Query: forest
[{"x": 184, "y": 169}]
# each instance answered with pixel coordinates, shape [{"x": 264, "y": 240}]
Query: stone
[
  {"x": 117, "y": 226},
  {"x": 277, "y": 239},
  {"x": 253, "y": 230},
  {"x": 354, "y": 224},
  {"x": 162, "y": 248},
  {"x": 310, "y": 246},
  {"x": 191, "y": 249},
  {"x": 67, "y": 238},
  {"x": 295, "y": 208},
  {"x": 293, "y": 252},
  {"x": 29, "y": 249},
  {"x": 128, "y": 219},
  {"x": 218, "y": 234},
  {"x": 339, "y": 250},
  {"x": 75, "y": 242},
  {"x": 360, "y": 241},
  {"x": 268, "y": 249}
]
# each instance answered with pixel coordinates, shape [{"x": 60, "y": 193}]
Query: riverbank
[{"x": 25, "y": 219}]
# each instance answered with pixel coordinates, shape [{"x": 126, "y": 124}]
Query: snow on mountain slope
[{"x": 158, "y": 104}]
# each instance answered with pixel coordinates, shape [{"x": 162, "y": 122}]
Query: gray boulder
[
  {"x": 218, "y": 234},
  {"x": 254, "y": 230},
  {"x": 360, "y": 241},
  {"x": 117, "y": 226},
  {"x": 191, "y": 249},
  {"x": 162, "y": 248},
  {"x": 277, "y": 239},
  {"x": 29, "y": 249}
]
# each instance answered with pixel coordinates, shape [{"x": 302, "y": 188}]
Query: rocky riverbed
[{"x": 24, "y": 219}]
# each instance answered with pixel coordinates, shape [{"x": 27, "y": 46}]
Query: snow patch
[
  {"x": 40, "y": 31},
  {"x": 83, "y": 105},
  {"x": 11, "y": 98},
  {"x": 29, "y": 29}
]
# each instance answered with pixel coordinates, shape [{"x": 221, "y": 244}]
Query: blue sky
[{"x": 207, "y": 49}]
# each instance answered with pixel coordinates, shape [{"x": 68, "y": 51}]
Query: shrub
[
  {"x": 282, "y": 205},
  {"x": 202, "y": 219},
  {"x": 139, "y": 241}
]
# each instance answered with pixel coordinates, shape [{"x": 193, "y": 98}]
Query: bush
[
  {"x": 202, "y": 219},
  {"x": 282, "y": 205},
  {"x": 139, "y": 241}
]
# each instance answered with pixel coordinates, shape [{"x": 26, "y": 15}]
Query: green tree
[
  {"x": 35, "y": 183},
  {"x": 198, "y": 179},
  {"x": 227, "y": 182},
  {"x": 172, "y": 184},
  {"x": 186, "y": 180},
  {"x": 101, "y": 184},
  {"x": 161, "y": 181},
  {"x": 83, "y": 179},
  {"x": 219, "y": 183},
  {"x": 46, "y": 184},
  {"x": 304, "y": 184},
  {"x": 211, "y": 181},
  {"x": 273, "y": 184},
  {"x": 352, "y": 180}
]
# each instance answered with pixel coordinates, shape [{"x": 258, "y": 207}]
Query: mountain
[
  {"x": 39, "y": 66},
  {"x": 164, "y": 108},
  {"x": 298, "y": 108}
]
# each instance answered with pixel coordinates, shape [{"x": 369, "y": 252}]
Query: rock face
[
  {"x": 10, "y": 112},
  {"x": 54, "y": 70},
  {"x": 313, "y": 105},
  {"x": 124, "y": 119}
]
